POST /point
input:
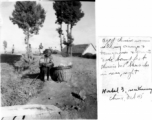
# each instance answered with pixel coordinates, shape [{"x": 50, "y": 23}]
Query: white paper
[{"x": 125, "y": 67}]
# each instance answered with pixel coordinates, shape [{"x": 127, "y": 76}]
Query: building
[{"x": 81, "y": 50}]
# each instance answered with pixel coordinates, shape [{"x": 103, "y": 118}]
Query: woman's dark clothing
[{"x": 46, "y": 63}]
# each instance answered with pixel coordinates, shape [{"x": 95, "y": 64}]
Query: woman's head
[{"x": 47, "y": 52}]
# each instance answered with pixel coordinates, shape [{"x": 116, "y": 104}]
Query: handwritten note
[{"x": 125, "y": 67}]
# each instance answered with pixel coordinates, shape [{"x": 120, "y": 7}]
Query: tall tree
[
  {"x": 68, "y": 43},
  {"x": 58, "y": 7},
  {"x": 72, "y": 16},
  {"x": 70, "y": 13},
  {"x": 40, "y": 48},
  {"x": 5, "y": 45},
  {"x": 59, "y": 30},
  {"x": 29, "y": 16}
]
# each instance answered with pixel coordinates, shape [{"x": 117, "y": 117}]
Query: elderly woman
[{"x": 46, "y": 63}]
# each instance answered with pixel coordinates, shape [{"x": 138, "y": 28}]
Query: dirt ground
[{"x": 66, "y": 95}]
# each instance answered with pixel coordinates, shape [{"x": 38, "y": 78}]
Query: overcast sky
[{"x": 83, "y": 32}]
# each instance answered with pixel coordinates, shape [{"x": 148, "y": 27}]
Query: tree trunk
[
  {"x": 71, "y": 30},
  {"x": 39, "y": 51},
  {"x": 61, "y": 42},
  {"x": 67, "y": 39},
  {"x": 71, "y": 43},
  {"x": 67, "y": 50},
  {"x": 71, "y": 50},
  {"x": 28, "y": 43},
  {"x": 28, "y": 52},
  {"x": 61, "y": 38},
  {"x": 67, "y": 29},
  {"x": 28, "y": 35}
]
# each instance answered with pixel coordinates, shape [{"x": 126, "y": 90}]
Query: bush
[
  {"x": 24, "y": 63},
  {"x": 90, "y": 56},
  {"x": 56, "y": 52},
  {"x": 94, "y": 56},
  {"x": 9, "y": 58},
  {"x": 17, "y": 91}
]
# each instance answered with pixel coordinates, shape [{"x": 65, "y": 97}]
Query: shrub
[
  {"x": 9, "y": 58},
  {"x": 24, "y": 63},
  {"x": 94, "y": 56},
  {"x": 56, "y": 52},
  {"x": 90, "y": 56},
  {"x": 15, "y": 89}
]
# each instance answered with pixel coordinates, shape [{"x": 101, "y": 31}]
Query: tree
[
  {"x": 73, "y": 14},
  {"x": 40, "y": 47},
  {"x": 58, "y": 7},
  {"x": 68, "y": 43},
  {"x": 5, "y": 45},
  {"x": 70, "y": 13},
  {"x": 59, "y": 30},
  {"x": 13, "y": 49},
  {"x": 29, "y": 16}
]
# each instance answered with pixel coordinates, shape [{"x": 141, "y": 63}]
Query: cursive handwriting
[
  {"x": 125, "y": 67},
  {"x": 110, "y": 91},
  {"x": 126, "y": 96},
  {"x": 140, "y": 88},
  {"x": 122, "y": 57},
  {"x": 115, "y": 97}
]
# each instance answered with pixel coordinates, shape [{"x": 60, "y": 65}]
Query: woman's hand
[
  {"x": 48, "y": 64},
  {"x": 44, "y": 64}
]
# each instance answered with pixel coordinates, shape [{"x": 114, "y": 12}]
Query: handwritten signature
[{"x": 127, "y": 96}]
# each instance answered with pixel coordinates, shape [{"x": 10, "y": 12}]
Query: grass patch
[{"x": 16, "y": 90}]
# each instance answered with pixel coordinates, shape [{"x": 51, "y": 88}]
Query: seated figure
[{"x": 46, "y": 63}]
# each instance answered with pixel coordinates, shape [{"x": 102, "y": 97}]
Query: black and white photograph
[{"x": 48, "y": 60}]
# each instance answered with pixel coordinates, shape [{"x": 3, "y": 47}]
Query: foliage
[
  {"x": 89, "y": 55},
  {"x": 41, "y": 46},
  {"x": 17, "y": 91},
  {"x": 28, "y": 16},
  {"x": 16, "y": 88},
  {"x": 60, "y": 31},
  {"x": 56, "y": 52},
  {"x": 69, "y": 40},
  {"x": 58, "y": 9},
  {"x": 5, "y": 45},
  {"x": 69, "y": 13},
  {"x": 25, "y": 64}
]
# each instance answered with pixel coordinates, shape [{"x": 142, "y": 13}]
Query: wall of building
[{"x": 90, "y": 49}]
